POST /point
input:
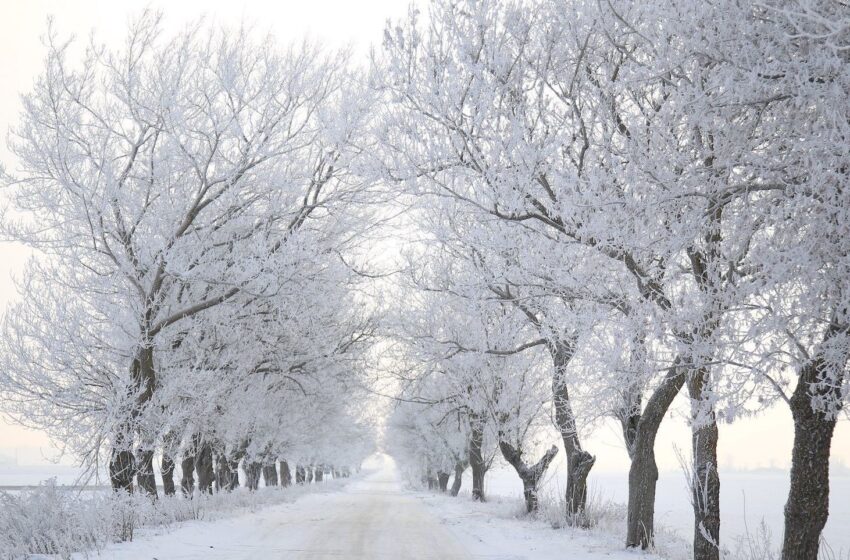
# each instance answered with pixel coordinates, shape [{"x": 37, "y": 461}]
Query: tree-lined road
[{"x": 369, "y": 518}]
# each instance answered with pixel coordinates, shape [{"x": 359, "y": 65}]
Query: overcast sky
[{"x": 761, "y": 442}]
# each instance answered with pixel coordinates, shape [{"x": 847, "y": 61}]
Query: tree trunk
[
  {"x": 443, "y": 481},
  {"x": 579, "y": 461},
  {"x": 320, "y": 473},
  {"x": 460, "y": 467},
  {"x": 530, "y": 476},
  {"x": 187, "y": 481},
  {"x": 706, "y": 480},
  {"x": 309, "y": 474},
  {"x": 807, "y": 508},
  {"x": 145, "y": 477},
  {"x": 285, "y": 474},
  {"x": 227, "y": 475},
  {"x": 122, "y": 467},
  {"x": 204, "y": 468},
  {"x": 270, "y": 475},
  {"x": 233, "y": 468},
  {"x": 253, "y": 469},
  {"x": 476, "y": 459},
  {"x": 643, "y": 473},
  {"x": 167, "y": 467},
  {"x": 300, "y": 474}
]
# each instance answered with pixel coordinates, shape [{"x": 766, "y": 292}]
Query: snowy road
[
  {"x": 373, "y": 518},
  {"x": 369, "y": 518}
]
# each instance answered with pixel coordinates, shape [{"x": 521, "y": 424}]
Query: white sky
[{"x": 761, "y": 442}]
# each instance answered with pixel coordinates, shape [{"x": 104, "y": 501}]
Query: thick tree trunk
[
  {"x": 187, "y": 481},
  {"x": 320, "y": 473},
  {"x": 285, "y": 474},
  {"x": 167, "y": 467},
  {"x": 643, "y": 474},
  {"x": 807, "y": 508},
  {"x": 530, "y": 475},
  {"x": 476, "y": 459},
  {"x": 145, "y": 477},
  {"x": 706, "y": 480},
  {"x": 253, "y": 469},
  {"x": 309, "y": 474},
  {"x": 204, "y": 468},
  {"x": 227, "y": 475},
  {"x": 443, "y": 480},
  {"x": 270, "y": 475},
  {"x": 300, "y": 474},
  {"x": 122, "y": 466},
  {"x": 460, "y": 467},
  {"x": 579, "y": 461}
]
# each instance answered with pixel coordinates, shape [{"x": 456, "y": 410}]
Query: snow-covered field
[{"x": 746, "y": 498}]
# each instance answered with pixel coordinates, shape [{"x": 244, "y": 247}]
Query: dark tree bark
[
  {"x": 123, "y": 464},
  {"x": 640, "y": 431},
  {"x": 706, "y": 480},
  {"x": 308, "y": 472},
  {"x": 460, "y": 467},
  {"x": 530, "y": 475},
  {"x": 476, "y": 458},
  {"x": 145, "y": 476},
  {"x": 807, "y": 508},
  {"x": 204, "y": 468},
  {"x": 187, "y": 481},
  {"x": 227, "y": 473},
  {"x": 285, "y": 474},
  {"x": 300, "y": 474},
  {"x": 579, "y": 461},
  {"x": 122, "y": 469},
  {"x": 167, "y": 467},
  {"x": 270, "y": 475},
  {"x": 443, "y": 480},
  {"x": 320, "y": 473},
  {"x": 253, "y": 469}
]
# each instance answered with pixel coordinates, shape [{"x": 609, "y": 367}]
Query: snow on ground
[
  {"x": 746, "y": 499},
  {"x": 371, "y": 518}
]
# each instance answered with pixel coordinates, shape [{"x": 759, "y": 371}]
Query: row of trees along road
[
  {"x": 635, "y": 200},
  {"x": 197, "y": 227},
  {"x": 613, "y": 204}
]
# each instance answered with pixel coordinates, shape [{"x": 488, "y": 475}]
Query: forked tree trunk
[
  {"x": 530, "y": 475},
  {"x": 643, "y": 473},
  {"x": 187, "y": 480},
  {"x": 167, "y": 467},
  {"x": 460, "y": 467},
  {"x": 300, "y": 475},
  {"x": 476, "y": 458},
  {"x": 807, "y": 508},
  {"x": 285, "y": 474},
  {"x": 706, "y": 479},
  {"x": 443, "y": 481},
  {"x": 270, "y": 475},
  {"x": 579, "y": 461}
]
